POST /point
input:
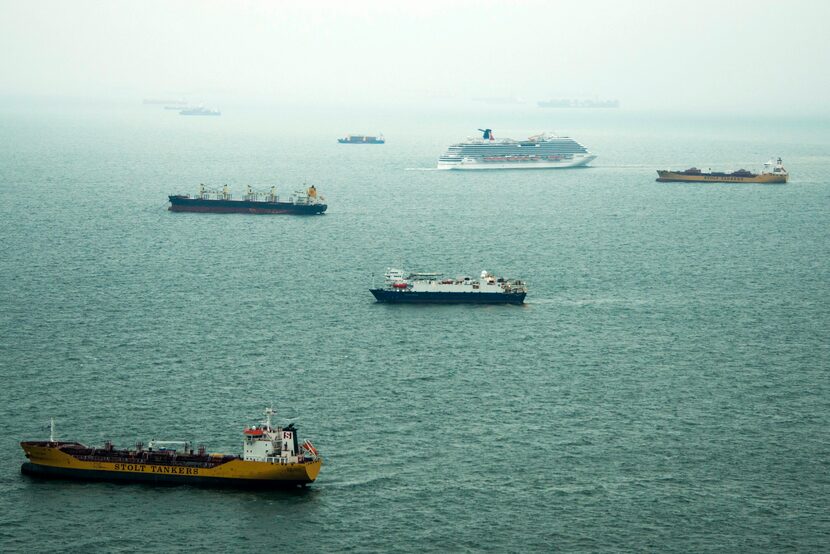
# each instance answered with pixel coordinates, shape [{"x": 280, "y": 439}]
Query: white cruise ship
[{"x": 544, "y": 151}]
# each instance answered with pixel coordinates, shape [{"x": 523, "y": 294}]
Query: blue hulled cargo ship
[
  {"x": 305, "y": 202},
  {"x": 432, "y": 288}
]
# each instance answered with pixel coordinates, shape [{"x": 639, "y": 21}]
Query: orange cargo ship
[
  {"x": 272, "y": 457},
  {"x": 772, "y": 173}
]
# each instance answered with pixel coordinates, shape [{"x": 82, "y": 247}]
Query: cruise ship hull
[
  {"x": 185, "y": 204},
  {"x": 413, "y": 297},
  {"x": 576, "y": 161},
  {"x": 679, "y": 177},
  {"x": 47, "y": 461}
]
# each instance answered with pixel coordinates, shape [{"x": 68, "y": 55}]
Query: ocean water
[{"x": 665, "y": 388}]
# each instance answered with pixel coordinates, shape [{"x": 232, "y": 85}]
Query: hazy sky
[{"x": 747, "y": 55}]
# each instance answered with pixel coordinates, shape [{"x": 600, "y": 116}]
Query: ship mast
[
  {"x": 268, "y": 413},
  {"x": 51, "y": 429}
]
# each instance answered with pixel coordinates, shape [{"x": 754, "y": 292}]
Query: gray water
[{"x": 665, "y": 387}]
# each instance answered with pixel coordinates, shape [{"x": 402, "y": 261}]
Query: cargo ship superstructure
[
  {"x": 301, "y": 202},
  {"x": 272, "y": 457},
  {"x": 773, "y": 172},
  {"x": 431, "y": 288},
  {"x": 543, "y": 151}
]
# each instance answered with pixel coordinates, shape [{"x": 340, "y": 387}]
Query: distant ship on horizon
[
  {"x": 199, "y": 110},
  {"x": 362, "y": 139}
]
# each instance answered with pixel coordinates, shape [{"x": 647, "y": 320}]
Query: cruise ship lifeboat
[
  {"x": 399, "y": 285},
  {"x": 251, "y": 432}
]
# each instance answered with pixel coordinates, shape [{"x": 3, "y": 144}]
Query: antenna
[
  {"x": 51, "y": 429},
  {"x": 268, "y": 413}
]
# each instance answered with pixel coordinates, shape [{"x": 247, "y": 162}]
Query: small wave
[{"x": 425, "y": 169}]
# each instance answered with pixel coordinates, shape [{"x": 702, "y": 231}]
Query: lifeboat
[
  {"x": 251, "y": 432},
  {"x": 399, "y": 285}
]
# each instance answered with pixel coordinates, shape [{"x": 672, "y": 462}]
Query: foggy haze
[{"x": 742, "y": 55}]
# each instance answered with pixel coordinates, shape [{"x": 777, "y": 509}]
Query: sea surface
[{"x": 664, "y": 389}]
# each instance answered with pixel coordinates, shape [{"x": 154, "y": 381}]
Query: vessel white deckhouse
[
  {"x": 543, "y": 151},
  {"x": 423, "y": 288}
]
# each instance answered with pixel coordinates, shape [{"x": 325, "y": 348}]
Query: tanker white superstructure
[{"x": 543, "y": 151}]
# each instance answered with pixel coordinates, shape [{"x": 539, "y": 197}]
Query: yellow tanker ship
[
  {"x": 772, "y": 173},
  {"x": 272, "y": 457}
]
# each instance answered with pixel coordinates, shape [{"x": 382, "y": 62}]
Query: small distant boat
[
  {"x": 199, "y": 110},
  {"x": 773, "y": 172},
  {"x": 362, "y": 139}
]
